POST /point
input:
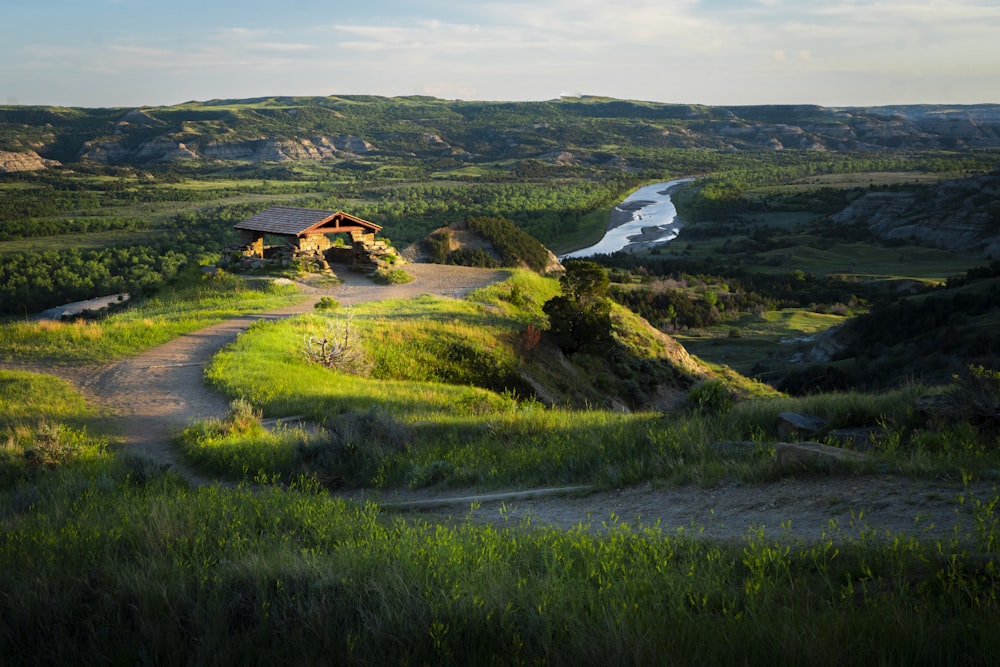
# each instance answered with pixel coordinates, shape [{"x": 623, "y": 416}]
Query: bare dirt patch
[{"x": 807, "y": 508}]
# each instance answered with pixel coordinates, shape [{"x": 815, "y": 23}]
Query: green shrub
[
  {"x": 977, "y": 395},
  {"x": 392, "y": 277},
  {"x": 327, "y": 303},
  {"x": 711, "y": 396}
]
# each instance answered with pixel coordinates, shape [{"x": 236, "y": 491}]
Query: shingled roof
[{"x": 293, "y": 221}]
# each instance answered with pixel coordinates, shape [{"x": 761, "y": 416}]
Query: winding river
[{"x": 647, "y": 217}]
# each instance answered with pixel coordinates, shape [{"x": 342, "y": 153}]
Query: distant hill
[
  {"x": 572, "y": 130},
  {"x": 961, "y": 215}
]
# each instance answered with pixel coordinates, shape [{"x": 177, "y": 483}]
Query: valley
[{"x": 186, "y": 470}]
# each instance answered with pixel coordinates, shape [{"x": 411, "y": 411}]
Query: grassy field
[
  {"x": 104, "y": 558},
  {"x": 770, "y": 335},
  {"x": 194, "y": 303}
]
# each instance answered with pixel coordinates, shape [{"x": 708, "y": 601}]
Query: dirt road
[{"x": 159, "y": 392}]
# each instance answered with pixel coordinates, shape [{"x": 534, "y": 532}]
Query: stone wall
[
  {"x": 315, "y": 253},
  {"x": 371, "y": 254}
]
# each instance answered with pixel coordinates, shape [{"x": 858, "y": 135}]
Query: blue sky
[{"x": 835, "y": 53}]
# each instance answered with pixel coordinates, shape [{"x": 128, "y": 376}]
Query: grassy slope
[
  {"x": 193, "y": 303},
  {"x": 104, "y": 560},
  {"x": 439, "y": 388}
]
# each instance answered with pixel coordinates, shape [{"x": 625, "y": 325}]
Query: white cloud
[{"x": 712, "y": 51}]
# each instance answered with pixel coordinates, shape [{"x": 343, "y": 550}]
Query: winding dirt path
[
  {"x": 161, "y": 391},
  {"x": 156, "y": 394}
]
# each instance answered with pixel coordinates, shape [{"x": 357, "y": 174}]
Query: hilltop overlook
[{"x": 776, "y": 428}]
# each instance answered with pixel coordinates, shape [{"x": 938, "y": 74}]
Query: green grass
[
  {"x": 44, "y": 424},
  {"x": 196, "y": 304},
  {"x": 106, "y": 560},
  {"x": 773, "y": 336},
  {"x": 437, "y": 403},
  {"x": 114, "y": 568},
  {"x": 425, "y": 356}
]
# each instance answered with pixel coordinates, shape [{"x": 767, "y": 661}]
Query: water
[{"x": 650, "y": 218}]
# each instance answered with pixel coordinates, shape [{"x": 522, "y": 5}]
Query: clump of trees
[
  {"x": 513, "y": 245},
  {"x": 580, "y": 318},
  {"x": 32, "y": 282}
]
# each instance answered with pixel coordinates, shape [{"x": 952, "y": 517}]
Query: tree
[{"x": 580, "y": 318}]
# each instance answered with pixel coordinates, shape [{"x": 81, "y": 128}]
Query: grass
[
  {"x": 192, "y": 305},
  {"x": 774, "y": 336},
  {"x": 44, "y": 423},
  {"x": 114, "y": 568},
  {"x": 105, "y": 560},
  {"x": 438, "y": 404}
]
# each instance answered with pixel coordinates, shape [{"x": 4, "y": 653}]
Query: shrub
[
  {"x": 337, "y": 347},
  {"x": 581, "y": 317},
  {"x": 977, "y": 395},
  {"x": 243, "y": 417},
  {"x": 711, "y": 396},
  {"x": 50, "y": 447},
  {"x": 327, "y": 303},
  {"x": 392, "y": 277}
]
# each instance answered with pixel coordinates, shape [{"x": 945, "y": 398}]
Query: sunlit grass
[
  {"x": 149, "y": 323},
  {"x": 103, "y": 559},
  {"x": 44, "y": 424}
]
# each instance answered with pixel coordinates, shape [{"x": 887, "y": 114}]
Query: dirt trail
[{"x": 159, "y": 392}]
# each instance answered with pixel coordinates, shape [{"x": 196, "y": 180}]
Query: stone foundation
[{"x": 315, "y": 253}]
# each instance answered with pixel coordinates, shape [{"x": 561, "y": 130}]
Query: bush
[
  {"x": 977, "y": 396},
  {"x": 392, "y": 277},
  {"x": 711, "y": 396},
  {"x": 581, "y": 317},
  {"x": 327, "y": 303}
]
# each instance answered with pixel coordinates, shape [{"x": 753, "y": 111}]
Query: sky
[{"x": 127, "y": 53}]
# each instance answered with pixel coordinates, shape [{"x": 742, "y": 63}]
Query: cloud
[{"x": 712, "y": 51}]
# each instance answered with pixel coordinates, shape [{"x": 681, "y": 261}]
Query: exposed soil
[
  {"x": 806, "y": 508},
  {"x": 159, "y": 392}
]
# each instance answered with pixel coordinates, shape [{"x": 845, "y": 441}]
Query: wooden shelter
[{"x": 305, "y": 229}]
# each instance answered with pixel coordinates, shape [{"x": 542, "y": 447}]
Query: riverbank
[{"x": 645, "y": 219}]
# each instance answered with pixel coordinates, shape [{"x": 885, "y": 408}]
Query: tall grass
[
  {"x": 160, "y": 574},
  {"x": 44, "y": 424},
  {"x": 104, "y": 560}
]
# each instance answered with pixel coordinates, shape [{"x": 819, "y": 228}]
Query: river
[{"x": 647, "y": 217}]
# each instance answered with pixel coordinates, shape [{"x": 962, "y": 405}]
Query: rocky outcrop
[
  {"x": 251, "y": 150},
  {"x": 284, "y": 150},
  {"x": 11, "y": 162},
  {"x": 961, "y": 215}
]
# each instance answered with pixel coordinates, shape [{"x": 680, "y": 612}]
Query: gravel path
[{"x": 159, "y": 392}]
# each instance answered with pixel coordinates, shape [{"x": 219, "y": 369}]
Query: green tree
[{"x": 580, "y": 318}]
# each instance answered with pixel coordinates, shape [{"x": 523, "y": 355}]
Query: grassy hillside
[
  {"x": 106, "y": 558},
  {"x": 599, "y": 128}
]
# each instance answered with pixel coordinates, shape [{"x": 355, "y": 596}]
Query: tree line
[{"x": 32, "y": 282}]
